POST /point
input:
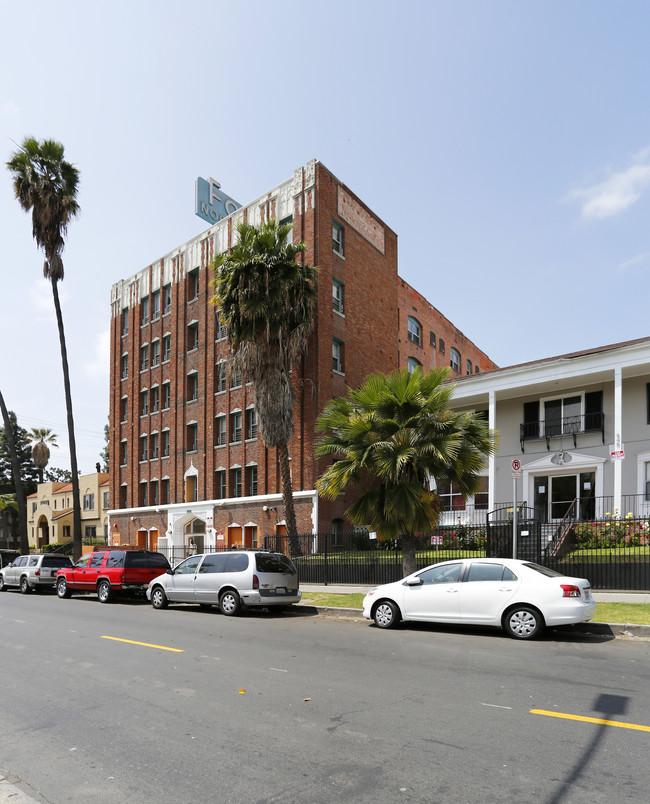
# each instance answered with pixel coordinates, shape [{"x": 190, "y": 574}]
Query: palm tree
[
  {"x": 21, "y": 502},
  {"x": 267, "y": 300},
  {"x": 40, "y": 438},
  {"x": 46, "y": 184},
  {"x": 392, "y": 437}
]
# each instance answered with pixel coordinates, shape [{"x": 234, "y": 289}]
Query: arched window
[
  {"x": 414, "y": 364},
  {"x": 414, "y": 330},
  {"x": 454, "y": 359}
]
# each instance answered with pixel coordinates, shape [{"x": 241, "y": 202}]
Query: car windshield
[
  {"x": 272, "y": 562},
  {"x": 543, "y": 570}
]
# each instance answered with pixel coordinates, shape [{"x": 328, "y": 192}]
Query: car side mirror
[
  {"x": 414, "y": 582},
  {"x": 170, "y": 572}
]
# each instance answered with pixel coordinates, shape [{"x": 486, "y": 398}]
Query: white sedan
[{"x": 518, "y": 596}]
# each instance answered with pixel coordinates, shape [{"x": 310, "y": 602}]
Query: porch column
[
  {"x": 492, "y": 469},
  {"x": 618, "y": 436}
]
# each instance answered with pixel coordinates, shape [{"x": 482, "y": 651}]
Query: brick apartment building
[{"x": 187, "y": 463}]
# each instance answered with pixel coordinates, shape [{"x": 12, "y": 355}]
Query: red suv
[{"x": 108, "y": 570}]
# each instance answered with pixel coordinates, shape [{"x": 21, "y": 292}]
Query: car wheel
[
  {"x": 24, "y": 585},
  {"x": 523, "y": 622},
  {"x": 386, "y": 614},
  {"x": 229, "y": 603},
  {"x": 104, "y": 592},
  {"x": 62, "y": 588},
  {"x": 159, "y": 598},
  {"x": 3, "y": 585}
]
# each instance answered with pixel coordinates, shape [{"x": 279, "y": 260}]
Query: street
[{"x": 120, "y": 702}]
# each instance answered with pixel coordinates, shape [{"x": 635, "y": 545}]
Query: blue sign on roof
[{"x": 211, "y": 203}]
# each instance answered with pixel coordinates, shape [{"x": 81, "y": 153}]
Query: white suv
[
  {"x": 231, "y": 579},
  {"x": 36, "y": 571}
]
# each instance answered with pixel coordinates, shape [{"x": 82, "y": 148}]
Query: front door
[
  {"x": 553, "y": 495},
  {"x": 437, "y": 597}
]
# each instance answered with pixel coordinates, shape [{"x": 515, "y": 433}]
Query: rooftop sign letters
[{"x": 211, "y": 203}]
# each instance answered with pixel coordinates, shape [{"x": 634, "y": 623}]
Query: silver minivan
[
  {"x": 35, "y": 571},
  {"x": 230, "y": 579}
]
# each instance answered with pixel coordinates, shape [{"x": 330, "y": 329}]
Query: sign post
[{"x": 516, "y": 474}]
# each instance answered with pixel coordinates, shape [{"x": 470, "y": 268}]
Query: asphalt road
[{"x": 290, "y": 708}]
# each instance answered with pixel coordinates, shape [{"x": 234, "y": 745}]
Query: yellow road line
[
  {"x": 619, "y": 724},
  {"x": 144, "y": 644}
]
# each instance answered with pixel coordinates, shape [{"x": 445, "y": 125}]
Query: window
[
  {"x": 193, "y": 284},
  {"x": 413, "y": 364},
  {"x": 441, "y": 346},
  {"x": 235, "y": 379},
  {"x": 164, "y": 490},
  {"x": 155, "y": 305},
  {"x": 125, "y": 320},
  {"x": 235, "y": 427},
  {"x": 155, "y": 399},
  {"x": 488, "y": 572},
  {"x": 562, "y": 416},
  {"x": 337, "y": 238},
  {"x": 414, "y": 330},
  {"x": 154, "y": 446},
  {"x": 122, "y": 453},
  {"x": 106, "y": 500},
  {"x": 454, "y": 359},
  {"x": 251, "y": 423},
  {"x": 251, "y": 481},
  {"x": 166, "y": 348},
  {"x": 144, "y": 452},
  {"x": 144, "y": 403},
  {"x": 469, "y": 367},
  {"x": 220, "y": 378},
  {"x": 124, "y": 407},
  {"x": 123, "y": 502},
  {"x": 235, "y": 482},
  {"x": 289, "y": 221},
  {"x": 166, "y": 395},
  {"x": 153, "y": 492},
  {"x": 165, "y": 444},
  {"x": 192, "y": 386},
  {"x": 167, "y": 299},
  {"x": 125, "y": 367},
  {"x": 142, "y": 494},
  {"x": 144, "y": 357},
  {"x": 220, "y": 484},
  {"x": 481, "y": 497},
  {"x": 155, "y": 353},
  {"x": 447, "y": 573},
  {"x": 337, "y": 296},
  {"x": 222, "y": 329},
  {"x": 90, "y": 532},
  {"x": 476, "y": 369},
  {"x": 193, "y": 336},
  {"x": 89, "y": 502},
  {"x": 451, "y": 498},
  {"x": 144, "y": 311},
  {"x": 337, "y": 355},
  {"x": 220, "y": 436},
  {"x": 191, "y": 437},
  {"x": 432, "y": 339}
]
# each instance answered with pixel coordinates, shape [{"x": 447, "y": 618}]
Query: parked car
[
  {"x": 34, "y": 571},
  {"x": 229, "y": 579},
  {"x": 107, "y": 571},
  {"x": 518, "y": 596},
  {"x": 7, "y": 556}
]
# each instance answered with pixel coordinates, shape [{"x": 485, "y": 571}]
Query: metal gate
[{"x": 500, "y": 532}]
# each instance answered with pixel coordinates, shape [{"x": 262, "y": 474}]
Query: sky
[{"x": 507, "y": 144}]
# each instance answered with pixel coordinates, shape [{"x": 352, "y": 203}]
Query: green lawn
[{"x": 632, "y": 613}]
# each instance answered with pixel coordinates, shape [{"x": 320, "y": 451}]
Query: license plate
[{"x": 280, "y": 590}]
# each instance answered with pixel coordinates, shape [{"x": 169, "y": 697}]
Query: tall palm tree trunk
[
  {"x": 18, "y": 483},
  {"x": 287, "y": 498},
  {"x": 76, "y": 504}
]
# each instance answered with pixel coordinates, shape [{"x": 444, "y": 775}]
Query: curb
[{"x": 603, "y": 629}]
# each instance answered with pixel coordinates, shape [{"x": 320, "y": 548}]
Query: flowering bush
[{"x": 612, "y": 532}]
